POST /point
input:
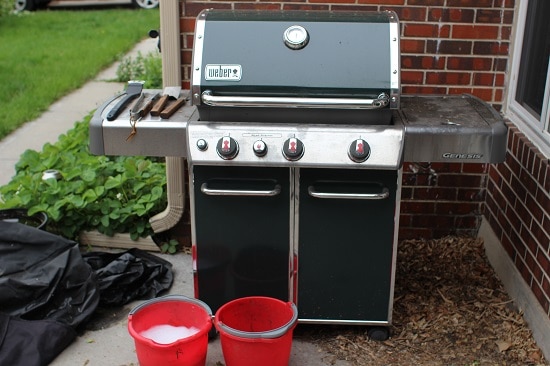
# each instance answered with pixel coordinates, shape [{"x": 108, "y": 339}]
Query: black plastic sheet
[
  {"x": 46, "y": 292},
  {"x": 134, "y": 274}
]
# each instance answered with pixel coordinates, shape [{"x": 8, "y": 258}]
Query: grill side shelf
[
  {"x": 154, "y": 135},
  {"x": 455, "y": 128}
]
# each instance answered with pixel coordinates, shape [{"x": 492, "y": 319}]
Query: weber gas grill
[{"x": 295, "y": 133}]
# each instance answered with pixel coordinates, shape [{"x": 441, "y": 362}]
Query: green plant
[
  {"x": 170, "y": 246},
  {"x": 108, "y": 194},
  {"x": 148, "y": 68}
]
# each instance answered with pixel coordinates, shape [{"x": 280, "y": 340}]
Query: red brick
[
  {"x": 412, "y": 77},
  {"x": 413, "y": 46},
  {"x": 194, "y": 8},
  {"x": 490, "y": 48},
  {"x": 449, "y": 47},
  {"x": 433, "y": 221},
  {"x": 422, "y": 62},
  {"x": 434, "y": 193},
  {"x": 469, "y": 63},
  {"x": 475, "y": 168},
  {"x": 475, "y": 31},
  {"x": 456, "y": 208},
  {"x": 296, "y": 6},
  {"x": 406, "y": 89},
  {"x": 494, "y": 16},
  {"x": 426, "y": 30},
  {"x": 187, "y": 25},
  {"x": 337, "y": 7},
  {"x": 451, "y": 15},
  {"x": 332, "y": 1},
  {"x": 486, "y": 94},
  {"x": 407, "y": 13},
  {"x": 470, "y": 3},
  {"x": 426, "y": 2},
  {"x": 186, "y": 57},
  {"x": 386, "y": 2},
  {"x": 448, "y": 78},
  {"x": 484, "y": 79},
  {"x": 460, "y": 180},
  {"x": 417, "y": 207},
  {"x": 257, "y": 6}
]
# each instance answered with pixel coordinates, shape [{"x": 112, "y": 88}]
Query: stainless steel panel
[
  {"x": 154, "y": 136},
  {"x": 324, "y": 145},
  {"x": 457, "y": 128}
]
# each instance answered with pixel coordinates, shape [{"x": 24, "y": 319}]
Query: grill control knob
[
  {"x": 359, "y": 151},
  {"x": 293, "y": 149},
  {"x": 202, "y": 145},
  {"x": 260, "y": 148},
  {"x": 227, "y": 148}
]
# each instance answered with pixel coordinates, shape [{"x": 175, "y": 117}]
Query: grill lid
[{"x": 312, "y": 60}]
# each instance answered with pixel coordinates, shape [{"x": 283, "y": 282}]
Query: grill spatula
[{"x": 132, "y": 91}]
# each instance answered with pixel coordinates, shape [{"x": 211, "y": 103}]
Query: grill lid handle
[{"x": 294, "y": 102}]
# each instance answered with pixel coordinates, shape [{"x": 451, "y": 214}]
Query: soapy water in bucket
[{"x": 166, "y": 334}]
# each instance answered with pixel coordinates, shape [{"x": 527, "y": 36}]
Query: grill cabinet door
[
  {"x": 345, "y": 247},
  {"x": 242, "y": 240}
]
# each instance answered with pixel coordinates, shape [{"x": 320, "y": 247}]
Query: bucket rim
[
  {"x": 169, "y": 298},
  {"x": 270, "y": 334}
]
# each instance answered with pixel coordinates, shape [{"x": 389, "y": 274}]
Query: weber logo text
[{"x": 223, "y": 72}]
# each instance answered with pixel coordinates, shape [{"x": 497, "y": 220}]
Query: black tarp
[
  {"x": 46, "y": 291},
  {"x": 133, "y": 274},
  {"x": 48, "y": 288}
]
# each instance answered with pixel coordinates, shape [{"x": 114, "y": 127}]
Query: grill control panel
[{"x": 361, "y": 147}]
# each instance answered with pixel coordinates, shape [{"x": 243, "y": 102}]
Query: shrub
[
  {"x": 148, "y": 68},
  {"x": 6, "y": 7}
]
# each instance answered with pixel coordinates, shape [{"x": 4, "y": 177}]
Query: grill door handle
[
  {"x": 240, "y": 192},
  {"x": 294, "y": 102},
  {"x": 352, "y": 196}
]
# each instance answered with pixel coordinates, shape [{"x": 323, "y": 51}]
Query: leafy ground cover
[
  {"x": 47, "y": 54},
  {"x": 103, "y": 193}
]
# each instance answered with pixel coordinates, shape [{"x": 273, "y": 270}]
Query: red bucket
[
  {"x": 191, "y": 320},
  {"x": 256, "y": 331}
]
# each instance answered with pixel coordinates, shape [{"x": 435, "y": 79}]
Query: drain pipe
[{"x": 171, "y": 76}]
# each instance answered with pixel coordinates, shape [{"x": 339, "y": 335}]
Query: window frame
[{"x": 538, "y": 131}]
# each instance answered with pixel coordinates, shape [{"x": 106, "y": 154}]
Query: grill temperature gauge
[{"x": 296, "y": 37}]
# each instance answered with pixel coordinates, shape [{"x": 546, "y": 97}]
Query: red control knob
[
  {"x": 359, "y": 151},
  {"x": 293, "y": 149},
  {"x": 227, "y": 148}
]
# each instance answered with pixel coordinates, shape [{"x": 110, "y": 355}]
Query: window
[{"x": 529, "y": 95}]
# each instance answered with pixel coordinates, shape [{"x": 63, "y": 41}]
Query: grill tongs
[{"x": 294, "y": 102}]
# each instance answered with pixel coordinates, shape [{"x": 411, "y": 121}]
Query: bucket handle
[
  {"x": 171, "y": 298},
  {"x": 275, "y": 333}
]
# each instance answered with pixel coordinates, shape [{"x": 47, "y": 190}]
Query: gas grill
[{"x": 295, "y": 134}]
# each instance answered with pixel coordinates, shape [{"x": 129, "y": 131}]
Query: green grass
[{"x": 45, "y": 55}]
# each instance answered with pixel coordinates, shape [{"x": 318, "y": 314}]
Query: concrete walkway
[{"x": 107, "y": 341}]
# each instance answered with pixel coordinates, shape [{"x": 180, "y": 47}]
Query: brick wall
[
  {"x": 518, "y": 210},
  {"x": 447, "y": 47}
]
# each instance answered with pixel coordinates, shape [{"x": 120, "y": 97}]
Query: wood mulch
[{"x": 449, "y": 309}]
